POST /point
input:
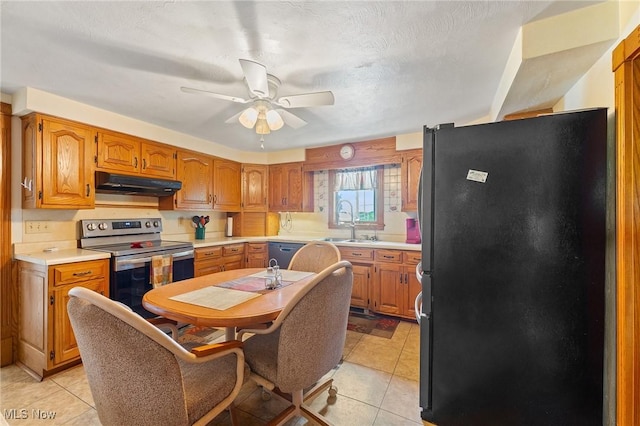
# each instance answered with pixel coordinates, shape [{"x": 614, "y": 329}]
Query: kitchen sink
[{"x": 346, "y": 240}]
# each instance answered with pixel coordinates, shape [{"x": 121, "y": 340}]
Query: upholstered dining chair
[
  {"x": 314, "y": 257},
  {"x": 304, "y": 343},
  {"x": 139, "y": 375}
]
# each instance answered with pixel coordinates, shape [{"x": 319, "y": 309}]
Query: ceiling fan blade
[
  {"x": 256, "y": 76},
  {"x": 306, "y": 100},
  {"x": 290, "y": 119},
  {"x": 215, "y": 95}
]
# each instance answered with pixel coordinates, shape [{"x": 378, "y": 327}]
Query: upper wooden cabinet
[
  {"x": 195, "y": 171},
  {"x": 290, "y": 189},
  {"x": 57, "y": 163},
  {"x": 117, "y": 152},
  {"x": 254, "y": 187},
  {"x": 227, "y": 196},
  {"x": 410, "y": 171}
]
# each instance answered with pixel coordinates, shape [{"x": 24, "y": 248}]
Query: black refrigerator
[{"x": 513, "y": 261}]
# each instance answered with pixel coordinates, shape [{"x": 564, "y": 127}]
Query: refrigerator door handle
[{"x": 418, "y": 307}]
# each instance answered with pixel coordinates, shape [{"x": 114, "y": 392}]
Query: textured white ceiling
[{"x": 392, "y": 66}]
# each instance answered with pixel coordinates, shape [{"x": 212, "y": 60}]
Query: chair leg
[
  {"x": 319, "y": 387},
  {"x": 313, "y": 416},
  {"x": 233, "y": 415}
]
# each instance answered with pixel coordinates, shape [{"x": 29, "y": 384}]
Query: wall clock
[{"x": 347, "y": 151}]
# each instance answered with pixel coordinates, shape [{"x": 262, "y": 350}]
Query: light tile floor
[{"x": 377, "y": 385}]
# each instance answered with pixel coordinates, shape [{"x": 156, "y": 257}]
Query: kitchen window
[{"x": 359, "y": 190}]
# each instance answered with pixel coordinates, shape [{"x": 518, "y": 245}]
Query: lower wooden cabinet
[
  {"x": 360, "y": 292},
  {"x": 46, "y": 342},
  {"x": 411, "y": 284},
  {"x": 209, "y": 260},
  {"x": 384, "y": 281},
  {"x": 257, "y": 256},
  {"x": 361, "y": 258},
  {"x": 388, "y": 282}
]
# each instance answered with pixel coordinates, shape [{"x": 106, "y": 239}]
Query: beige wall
[{"x": 63, "y": 224}]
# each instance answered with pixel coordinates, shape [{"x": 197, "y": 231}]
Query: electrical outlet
[{"x": 36, "y": 226}]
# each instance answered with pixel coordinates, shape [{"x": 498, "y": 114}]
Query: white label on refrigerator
[{"x": 477, "y": 176}]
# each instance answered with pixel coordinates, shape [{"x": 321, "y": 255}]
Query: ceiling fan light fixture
[
  {"x": 274, "y": 120},
  {"x": 249, "y": 117},
  {"x": 262, "y": 127}
]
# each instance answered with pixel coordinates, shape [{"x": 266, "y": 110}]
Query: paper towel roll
[{"x": 229, "y": 227}]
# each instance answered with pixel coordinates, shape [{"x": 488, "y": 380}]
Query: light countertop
[
  {"x": 305, "y": 239},
  {"x": 61, "y": 256}
]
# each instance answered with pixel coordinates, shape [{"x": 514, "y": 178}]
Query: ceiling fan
[{"x": 267, "y": 112}]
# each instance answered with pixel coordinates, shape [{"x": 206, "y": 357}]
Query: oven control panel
[{"x": 114, "y": 227}]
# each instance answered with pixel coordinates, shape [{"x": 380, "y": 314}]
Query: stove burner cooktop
[
  {"x": 143, "y": 247},
  {"x": 123, "y": 237}
]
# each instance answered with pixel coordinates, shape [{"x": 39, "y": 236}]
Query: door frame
[{"x": 626, "y": 67}]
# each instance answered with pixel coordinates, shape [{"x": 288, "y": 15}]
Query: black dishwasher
[{"x": 283, "y": 252}]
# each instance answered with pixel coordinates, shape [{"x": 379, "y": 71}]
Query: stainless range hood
[{"x": 135, "y": 185}]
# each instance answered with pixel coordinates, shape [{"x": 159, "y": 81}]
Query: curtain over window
[{"x": 358, "y": 179}]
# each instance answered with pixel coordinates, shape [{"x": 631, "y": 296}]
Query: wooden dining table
[{"x": 258, "y": 310}]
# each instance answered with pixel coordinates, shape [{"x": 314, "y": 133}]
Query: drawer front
[
  {"x": 208, "y": 253},
  {"x": 412, "y": 257},
  {"x": 77, "y": 272},
  {"x": 391, "y": 256},
  {"x": 256, "y": 248},
  {"x": 356, "y": 253},
  {"x": 233, "y": 249}
]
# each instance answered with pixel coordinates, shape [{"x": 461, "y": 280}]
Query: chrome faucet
[{"x": 353, "y": 220}]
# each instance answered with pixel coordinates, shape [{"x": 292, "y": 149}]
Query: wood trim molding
[
  {"x": 8, "y": 290},
  {"x": 527, "y": 114},
  {"x": 377, "y": 151},
  {"x": 626, "y": 66}
]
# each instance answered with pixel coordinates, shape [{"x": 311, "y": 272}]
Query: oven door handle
[{"x": 176, "y": 256}]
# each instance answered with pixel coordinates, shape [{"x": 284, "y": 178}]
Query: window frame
[{"x": 379, "y": 224}]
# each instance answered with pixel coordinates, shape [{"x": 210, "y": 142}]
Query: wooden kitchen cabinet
[
  {"x": 121, "y": 153},
  {"x": 255, "y": 184},
  {"x": 285, "y": 187},
  {"x": 57, "y": 163},
  {"x": 360, "y": 258},
  {"x": 388, "y": 282},
  {"x": 411, "y": 284},
  {"x": 361, "y": 278},
  {"x": 410, "y": 178},
  {"x": 209, "y": 260},
  {"x": 384, "y": 280},
  {"x": 46, "y": 342},
  {"x": 227, "y": 194},
  {"x": 257, "y": 256},
  {"x": 195, "y": 171}
]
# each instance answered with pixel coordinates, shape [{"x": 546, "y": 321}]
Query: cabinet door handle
[
  {"x": 144, "y": 163},
  {"x": 88, "y": 190},
  {"x": 135, "y": 162},
  {"x": 356, "y": 254},
  {"x": 401, "y": 278},
  {"x": 406, "y": 278},
  {"x": 387, "y": 257},
  {"x": 82, "y": 274},
  {"x": 215, "y": 199},
  {"x": 210, "y": 197}
]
